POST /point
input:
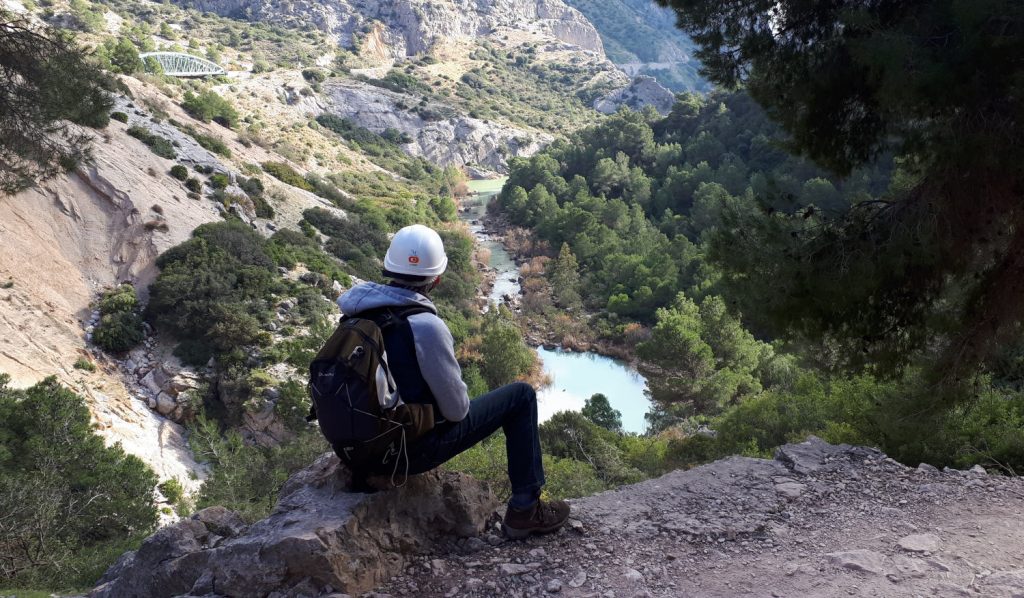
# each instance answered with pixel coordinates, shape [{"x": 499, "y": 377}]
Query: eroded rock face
[
  {"x": 454, "y": 139},
  {"x": 321, "y": 538},
  {"x": 410, "y": 27},
  {"x": 642, "y": 92}
]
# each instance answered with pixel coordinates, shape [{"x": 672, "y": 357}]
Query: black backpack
[{"x": 355, "y": 397}]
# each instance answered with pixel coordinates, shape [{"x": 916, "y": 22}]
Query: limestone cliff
[
  {"x": 819, "y": 520},
  {"x": 454, "y": 139},
  {"x": 410, "y": 27},
  {"x": 642, "y": 92},
  {"x": 67, "y": 240}
]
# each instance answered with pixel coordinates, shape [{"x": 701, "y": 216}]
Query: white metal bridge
[{"x": 177, "y": 64}]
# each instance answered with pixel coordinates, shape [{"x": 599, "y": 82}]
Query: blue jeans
[{"x": 513, "y": 408}]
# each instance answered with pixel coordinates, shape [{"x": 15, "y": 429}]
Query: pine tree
[
  {"x": 565, "y": 278},
  {"x": 46, "y": 82},
  {"x": 931, "y": 272},
  {"x": 599, "y": 410}
]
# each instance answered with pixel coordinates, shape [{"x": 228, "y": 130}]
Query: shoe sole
[{"x": 519, "y": 534}]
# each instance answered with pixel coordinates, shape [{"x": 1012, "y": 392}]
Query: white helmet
[{"x": 416, "y": 250}]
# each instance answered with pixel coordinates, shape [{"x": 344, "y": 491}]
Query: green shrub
[
  {"x": 118, "y": 332},
  {"x": 213, "y": 144},
  {"x": 179, "y": 172},
  {"x": 194, "y": 185},
  {"x": 172, "y": 490},
  {"x": 121, "y": 298},
  {"x": 219, "y": 181},
  {"x": 119, "y": 116},
  {"x": 289, "y": 248},
  {"x": 263, "y": 207},
  {"x": 286, "y": 174},
  {"x": 215, "y": 289},
  {"x": 64, "y": 493},
  {"x": 362, "y": 232},
  {"x": 156, "y": 144},
  {"x": 120, "y": 326},
  {"x": 208, "y": 106},
  {"x": 569, "y": 478},
  {"x": 247, "y": 478},
  {"x": 398, "y": 81},
  {"x": 84, "y": 364},
  {"x": 486, "y": 461},
  {"x": 253, "y": 187},
  {"x": 314, "y": 75}
]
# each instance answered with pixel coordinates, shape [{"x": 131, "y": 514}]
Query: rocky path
[{"x": 819, "y": 521}]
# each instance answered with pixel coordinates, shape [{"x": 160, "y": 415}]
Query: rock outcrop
[
  {"x": 819, "y": 520},
  {"x": 449, "y": 139},
  {"x": 642, "y": 92},
  {"x": 407, "y": 27},
  {"x": 320, "y": 539}
]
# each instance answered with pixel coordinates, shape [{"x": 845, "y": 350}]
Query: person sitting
[{"x": 421, "y": 355}]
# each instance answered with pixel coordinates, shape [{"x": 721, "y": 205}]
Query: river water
[{"x": 575, "y": 377}]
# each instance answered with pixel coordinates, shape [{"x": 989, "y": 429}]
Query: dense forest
[{"x": 650, "y": 214}]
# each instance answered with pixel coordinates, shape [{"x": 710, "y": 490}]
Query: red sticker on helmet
[{"x": 414, "y": 259}]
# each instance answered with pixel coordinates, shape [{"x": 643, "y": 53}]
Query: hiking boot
[{"x": 541, "y": 518}]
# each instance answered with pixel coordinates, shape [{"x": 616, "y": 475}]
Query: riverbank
[
  {"x": 545, "y": 324},
  {"x": 572, "y": 361}
]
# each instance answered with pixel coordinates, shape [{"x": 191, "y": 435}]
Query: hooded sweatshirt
[{"x": 435, "y": 347}]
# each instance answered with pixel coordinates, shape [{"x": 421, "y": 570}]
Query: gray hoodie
[{"x": 435, "y": 347}]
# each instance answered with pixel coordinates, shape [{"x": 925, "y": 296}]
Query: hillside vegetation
[
  {"x": 832, "y": 251},
  {"x": 646, "y": 210}
]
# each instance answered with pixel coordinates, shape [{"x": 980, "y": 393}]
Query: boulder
[
  {"x": 815, "y": 455},
  {"x": 155, "y": 380},
  {"x": 919, "y": 543},
  {"x": 320, "y": 538},
  {"x": 165, "y": 404},
  {"x": 181, "y": 382}
]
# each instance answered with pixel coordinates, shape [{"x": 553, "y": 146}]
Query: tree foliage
[
  {"x": 932, "y": 270},
  {"x": 49, "y": 83},
  {"x": 67, "y": 501},
  {"x": 598, "y": 410},
  {"x": 505, "y": 355},
  {"x": 214, "y": 290}
]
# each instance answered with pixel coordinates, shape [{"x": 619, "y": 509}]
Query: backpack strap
[{"x": 384, "y": 317}]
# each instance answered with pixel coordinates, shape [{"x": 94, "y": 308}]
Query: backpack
[{"x": 355, "y": 397}]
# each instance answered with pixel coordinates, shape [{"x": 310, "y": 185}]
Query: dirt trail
[{"x": 818, "y": 521}]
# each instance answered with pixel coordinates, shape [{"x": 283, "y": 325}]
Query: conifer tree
[
  {"x": 933, "y": 271},
  {"x": 565, "y": 278},
  {"x": 45, "y": 82}
]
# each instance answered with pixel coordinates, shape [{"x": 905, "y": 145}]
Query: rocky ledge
[
  {"x": 320, "y": 539},
  {"x": 819, "y": 520}
]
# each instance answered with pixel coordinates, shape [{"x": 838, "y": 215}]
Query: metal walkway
[{"x": 177, "y": 64}]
